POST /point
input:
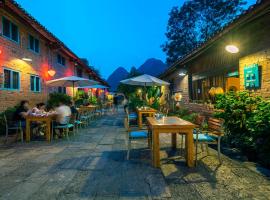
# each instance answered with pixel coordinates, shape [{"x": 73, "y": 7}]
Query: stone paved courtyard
[{"x": 92, "y": 165}]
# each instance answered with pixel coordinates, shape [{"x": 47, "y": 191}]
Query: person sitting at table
[
  {"x": 73, "y": 109},
  {"x": 39, "y": 109},
  {"x": 21, "y": 112},
  {"x": 62, "y": 111}
]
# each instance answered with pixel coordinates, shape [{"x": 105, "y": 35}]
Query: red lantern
[{"x": 51, "y": 72}]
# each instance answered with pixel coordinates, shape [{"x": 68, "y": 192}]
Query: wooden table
[
  {"x": 46, "y": 119},
  {"x": 140, "y": 111},
  {"x": 172, "y": 125},
  {"x": 88, "y": 108}
]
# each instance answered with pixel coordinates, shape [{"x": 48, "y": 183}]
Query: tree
[
  {"x": 127, "y": 89},
  {"x": 194, "y": 22}
]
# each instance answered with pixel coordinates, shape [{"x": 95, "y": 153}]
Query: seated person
[
  {"x": 63, "y": 112},
  {"x": 73, "y": 109},
  {"x": 39, "y": 109},
  {"x": 21, "y": 112}
]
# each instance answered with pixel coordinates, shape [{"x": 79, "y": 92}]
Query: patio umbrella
[
  {"x": 71, "y": 81},
  {"x": 95, "y": 86},
  {"x": 145, "y": 80}
]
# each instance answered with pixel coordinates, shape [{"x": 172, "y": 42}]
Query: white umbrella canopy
[
  {"x": 145, "y": 80},
  {"x": 71, "y": 81},
  {"x": 95, "y": 86}
]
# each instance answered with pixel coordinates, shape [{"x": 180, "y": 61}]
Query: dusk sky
[{"x": 109, "y": 33}]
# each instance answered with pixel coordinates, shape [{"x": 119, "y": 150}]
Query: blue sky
[{"x": 109, "y": 33}]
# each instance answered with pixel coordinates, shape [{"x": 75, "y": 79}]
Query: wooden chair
[
  {"x": 131, "y": 117},
  {"x": 212, "y": 135},
  {"x": 14, "y": 126},
  {"x": 65, "y": 127},
  {"x": 135, "y": 135},
  {"x": 199, "y": 120}
]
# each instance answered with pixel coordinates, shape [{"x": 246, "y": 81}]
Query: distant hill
[
  {"x": 152, "y": 67},
  {"x": 119, "y": 74}
]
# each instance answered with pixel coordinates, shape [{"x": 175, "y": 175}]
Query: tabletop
[
  {"x": 146, "y": 110},
  {"x": 174, "y": 122},
  {"x": 39, "y": 117}
]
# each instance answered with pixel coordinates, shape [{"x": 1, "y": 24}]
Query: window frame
[
  {"x": 11, "y": 80},
  {"x": 34, "y": 44},
  {"x": 35, "y": 83},
  {"x": 10, "y": 30},
  {"x": 62, "y": 59}
]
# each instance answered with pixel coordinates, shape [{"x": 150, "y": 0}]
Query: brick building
[
  {"x": 211, "y": 65},
  {"x": 28, "y": 51}
]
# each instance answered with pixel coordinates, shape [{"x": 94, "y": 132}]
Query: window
[
  {"x": 62, "y": 90},
  {"x": 10, "y": 30},
  {"x": 33, "y": 44},
  {"x": 11, "y": 79},
  {"x": 79, "y": 72},
  {"x": 61, "y": 60},
  {"x": 35, "y": 83}
]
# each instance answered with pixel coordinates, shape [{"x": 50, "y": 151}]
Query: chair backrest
[
  {"x": 126, "y": 110},
  {"x": 126, "y": 123},
  {"x": 215, "y": 124},
  {"x": 199, "y": 120},
  {"x": 73, "y": 118},
  {"x": 6, "y": 122}
]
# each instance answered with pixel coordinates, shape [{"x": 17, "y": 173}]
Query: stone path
[{"x": 92, "y": 165}]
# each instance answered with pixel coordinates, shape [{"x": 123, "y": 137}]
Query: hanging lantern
[{"x": 51, "y": 72}]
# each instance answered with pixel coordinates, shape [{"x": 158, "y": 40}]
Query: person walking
[{"x": 115, "y": 103}]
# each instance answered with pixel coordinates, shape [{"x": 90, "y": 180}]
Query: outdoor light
[
  {"x": 51, "y": 72},
  {"x": 27, "y": 59},
  {"x": 182, "y": 74},
  {"x": 232, "y": 49}
]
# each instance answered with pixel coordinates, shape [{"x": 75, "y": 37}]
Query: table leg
[
  {"x": 155, "y": 152},
  {"x": 48, "y": 131},
  {"x": 27, "y": 131},
  {"x": 190, "y": 148},
  {"x": 174, "y": 140},
  {"x": 140, "y": 120}
]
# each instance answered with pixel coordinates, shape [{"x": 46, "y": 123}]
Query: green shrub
[
  {"x": 93, "y": 100},
  {"x": 56, "y": 98},
  {"x": 135, "y": 101},
  {"x": 247, "y": 124}
]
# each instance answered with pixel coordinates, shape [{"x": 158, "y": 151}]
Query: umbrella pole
[
  {"x": 73, "y": 90},
  {"x": 145, "y": 93}
]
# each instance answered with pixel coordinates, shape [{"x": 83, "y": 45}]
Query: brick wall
[
  {"x": 11, "y": 58},
  {"x": 263, "y": 59},
  {"x": 179, "y": 84}
]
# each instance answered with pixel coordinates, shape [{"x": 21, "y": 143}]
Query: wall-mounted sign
[
  {"x": 233, "y": 74},
  {"x": 252, "y": 76}
]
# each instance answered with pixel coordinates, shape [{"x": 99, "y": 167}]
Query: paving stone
[{"x": 92, "y": 165}]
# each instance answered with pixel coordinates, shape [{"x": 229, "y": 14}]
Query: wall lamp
[
  {"x": 232, "y": 49},
  {"x": 27, "y": 59}
]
